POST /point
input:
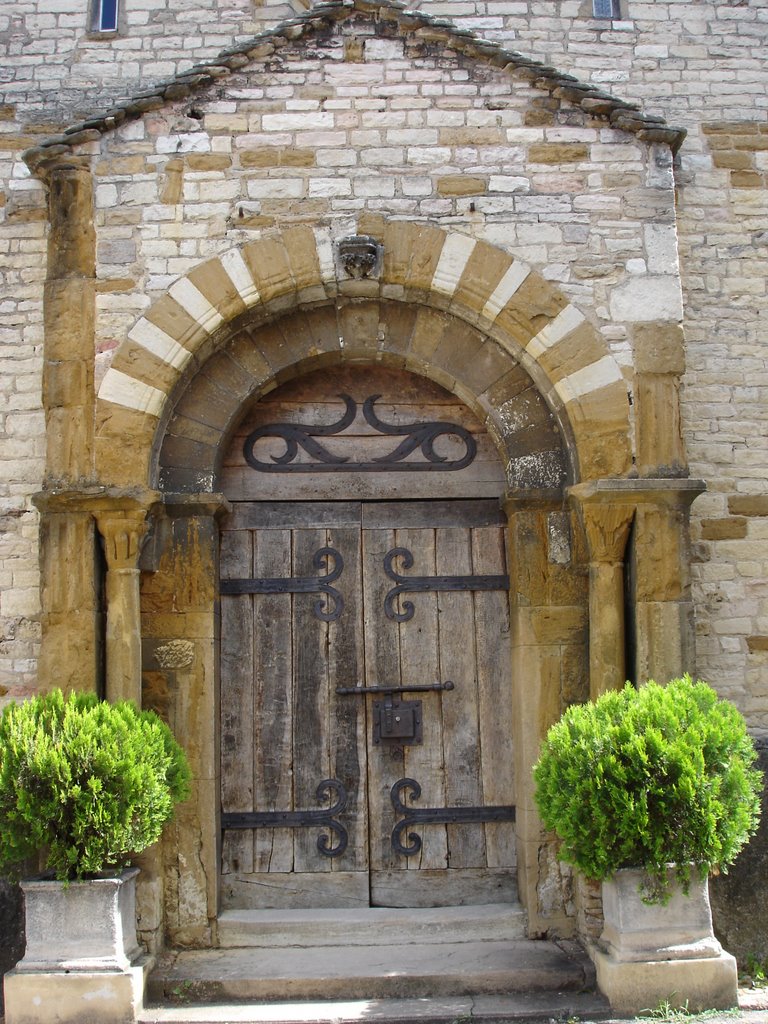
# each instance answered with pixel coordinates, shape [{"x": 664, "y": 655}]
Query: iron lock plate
[{"x": 397, "y": 721}]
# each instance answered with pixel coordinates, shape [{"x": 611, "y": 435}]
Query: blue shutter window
[
  {"x": 107, "y": 19},
  {"x": 606, "y": 8}
]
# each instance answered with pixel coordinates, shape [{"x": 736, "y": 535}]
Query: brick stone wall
[
  {"x": 370, "y": 127},
  {"x": 702, "y": 67}
]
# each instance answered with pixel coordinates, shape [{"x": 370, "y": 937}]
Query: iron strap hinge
[
  {"x": 348, "y": 691},
  {"x": 320, "y": 818},
  {"x": 436, "y": 816}
]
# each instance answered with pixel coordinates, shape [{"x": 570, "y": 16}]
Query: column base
[
  {"x": 76, "y": 997},
  {"x": 698, "y": 984}
]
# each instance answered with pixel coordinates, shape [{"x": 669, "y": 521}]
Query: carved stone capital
[{"x": 123, "y": 534}]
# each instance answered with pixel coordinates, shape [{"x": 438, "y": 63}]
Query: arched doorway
[{"x": 366, "y": 690}]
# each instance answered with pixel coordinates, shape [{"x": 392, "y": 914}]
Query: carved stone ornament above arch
[{"x": 461, "y": 312}]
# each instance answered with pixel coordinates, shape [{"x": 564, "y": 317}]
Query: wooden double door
[{"x": 365, "y": 705}]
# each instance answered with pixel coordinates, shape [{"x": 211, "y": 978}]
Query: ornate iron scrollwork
[
  {"x": 436, "y": 816},
  {"x": 424, "y": 584},
  {"x": 321, "y": 818},
  {"x": 416, "y": 435},
  {"x": 328, "y": 610}
]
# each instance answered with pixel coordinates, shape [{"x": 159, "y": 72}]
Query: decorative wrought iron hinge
[
  {"x": 328, "y": 610},
  {"x": 436, "y": 816},
  {"x": 416, "y": 435},
  {"x": 321, "y": 818},
  {"x": 424, "y": 584}
]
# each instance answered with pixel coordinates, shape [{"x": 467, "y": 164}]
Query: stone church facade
[{"x": 256, "y": 261}]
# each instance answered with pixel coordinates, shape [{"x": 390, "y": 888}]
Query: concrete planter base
[
  {"x": 83, "y": 963},
  {"x": 653, "y": 953}
]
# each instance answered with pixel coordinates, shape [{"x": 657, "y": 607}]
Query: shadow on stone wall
[
  {"x": 740, "y": 897},
  {"x": 12, "y": 939}
]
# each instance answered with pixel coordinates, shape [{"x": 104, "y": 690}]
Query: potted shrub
[
  {"x": 649, "y": 791},
  {"x": 84, "y": 784}
]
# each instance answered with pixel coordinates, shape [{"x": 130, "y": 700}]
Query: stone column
[
  {"x": 548, "y": 618},
  {"x": 123, "y": 531},
  {"x": 606, "y": 522}
]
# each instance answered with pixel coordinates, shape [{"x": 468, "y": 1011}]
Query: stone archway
[
  {"x": 469, "y": 317},
  {"x": 526, "y": 318}
]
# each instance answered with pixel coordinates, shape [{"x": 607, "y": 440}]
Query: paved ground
[{"x": 549, "y": 1008}]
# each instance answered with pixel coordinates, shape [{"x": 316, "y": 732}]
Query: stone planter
[
  {"x": 648, "y": 953},
  {"x": 83, "y": 963}
]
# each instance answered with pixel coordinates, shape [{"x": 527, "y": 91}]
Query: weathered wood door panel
[{"x": 285, "y": 728}]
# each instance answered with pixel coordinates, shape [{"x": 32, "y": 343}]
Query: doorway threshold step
[
  {"x": 383, "y": 971},
  {"x": 370, "y": 926},
  {"x": 515, "y": 1008}
]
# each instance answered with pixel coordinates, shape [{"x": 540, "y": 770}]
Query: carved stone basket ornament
[{"x": 358, "y": 256}]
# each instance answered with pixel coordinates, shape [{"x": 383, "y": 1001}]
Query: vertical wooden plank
[
  {"x": 272, "y": 708},
  {"x": 311, "y": 762},
  {"x": 382, "y": 665},
  {"x": 494, "y": 672},
  {"x": 236, "y": 699},
  {"x": 419, "y": 658},
  {"x": 461, "y": 731},
  {"x": 348, "y": 737}
]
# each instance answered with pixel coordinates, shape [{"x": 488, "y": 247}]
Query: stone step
[
  {"x": 384, "y": 971},
  {"x": 369, "y": 926},
  {"x": 515, "y": 1008}
]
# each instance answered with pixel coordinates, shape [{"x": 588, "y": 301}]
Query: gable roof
[{"x": 593, "y": 100}]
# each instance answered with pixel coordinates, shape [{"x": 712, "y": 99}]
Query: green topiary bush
[
  {"x": 650, "y": 777},
  {"x": 84, "y": 783}
]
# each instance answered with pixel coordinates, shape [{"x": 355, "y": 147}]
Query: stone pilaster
[
  {"x": 69, "y": 317},
  {"x": 660, "y": 595},
  {"x": 180, "y": 627},
  {"x": 549, "y": 634},
  {"x": 71, "y": 653},
  {"x": 659, "y": 366},
  {"x": 664, "y": 619}
]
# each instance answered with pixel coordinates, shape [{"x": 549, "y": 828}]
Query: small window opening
[
  {"x": 606, "y": 8},
  {"x": 105, "y": 15}
]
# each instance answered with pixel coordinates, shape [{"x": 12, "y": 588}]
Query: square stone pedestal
[
  {"x": 83, "y": 964},
  {"x": 661, "y": 952}
]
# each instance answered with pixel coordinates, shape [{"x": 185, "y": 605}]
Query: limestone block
[
  {"x": 411, "y": 254},
  {"x": 693, "y": 985},
  {"x": 215, "y": 284},
  {"x": 60, "y": 997},
  {"x": 267, "y": 260},
  {"x": 172, "y": 318},
  {"x": 658, "y": 428},
  {"x": 659, "y": 348},
  {"x": 601, "y": 425},
  {"x": 557, "y": 153},
  {"x": 461, "y": 185},
  {"x": 748, "y": 504},
  {"x": 484, "y": 269},
  {"x": 642, "y": 299}
]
